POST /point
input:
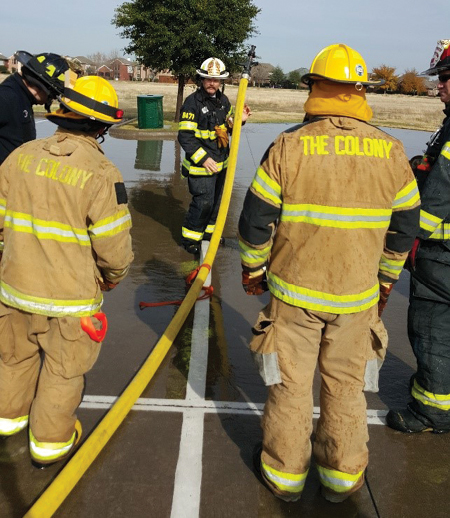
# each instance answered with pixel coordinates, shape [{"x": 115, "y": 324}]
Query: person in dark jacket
[
  {"x": 39, "y": 80},
  {"x": 204, "y": 129},
  {"x": 429, "y": 264}
]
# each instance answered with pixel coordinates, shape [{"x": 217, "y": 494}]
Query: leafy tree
[
  {"x": 412, "y": 83},
  {"x": 277, "y": 77},
  {"x": 294, "y": 79},
  {"x": 178, "y": 35},
  {"x": 388, "y": 74}
]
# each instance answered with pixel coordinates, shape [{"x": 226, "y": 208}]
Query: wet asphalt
[{"x": 185, "y": 453}]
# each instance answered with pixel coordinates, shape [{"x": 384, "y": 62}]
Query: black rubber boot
[
  {"x": 192, "y": 248},
  {"x": 405, "y": 421}
]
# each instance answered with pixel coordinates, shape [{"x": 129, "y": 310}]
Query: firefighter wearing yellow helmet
[
  {"x": 206, "y": 121},
  {"x": 326, "y": 226},
  {"x": 65, "y": 237}
]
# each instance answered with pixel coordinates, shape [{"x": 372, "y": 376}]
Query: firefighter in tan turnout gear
[
  {"x": 65, "y": 234},
  {"x": 326, "y": 225}
]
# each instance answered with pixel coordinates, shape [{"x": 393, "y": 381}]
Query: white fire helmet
[{"x": 213, "y": 68}]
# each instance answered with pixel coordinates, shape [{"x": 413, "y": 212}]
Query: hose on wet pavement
[{"x": 51, "y": 499}]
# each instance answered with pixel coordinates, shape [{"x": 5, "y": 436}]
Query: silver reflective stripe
[
  {"x": 97, "y": 231},
  {"x": 268, "y": 367}
]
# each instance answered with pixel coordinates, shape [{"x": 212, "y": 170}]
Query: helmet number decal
[{"x": 50, "y": 70}]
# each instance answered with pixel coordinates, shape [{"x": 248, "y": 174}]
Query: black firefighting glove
[
  {"x": 385, "y": 291},
  {"x": 254, "y": 283}
]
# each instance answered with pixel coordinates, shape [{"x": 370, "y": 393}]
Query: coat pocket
[
  {"x": 6, "y": 341},
  {"x": 264, "y": 348},
  {"x": 377, "y": 354}
]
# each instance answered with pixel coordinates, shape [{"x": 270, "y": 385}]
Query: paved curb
[{"x": 117, "y": 131}]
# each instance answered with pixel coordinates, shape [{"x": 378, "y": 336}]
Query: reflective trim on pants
[
  {"x": 338, "y": 481},
  {"x": 13, "y": 426},
  {"x": 441, "y": 401},
  {"x": 49, "y": 451},
  {"x": 290, "y": 482}
]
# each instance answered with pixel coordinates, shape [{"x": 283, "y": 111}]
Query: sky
[{"x": 397, "y": 33}]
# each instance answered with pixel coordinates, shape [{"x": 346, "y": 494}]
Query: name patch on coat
[{"x": 121, "y": 193}]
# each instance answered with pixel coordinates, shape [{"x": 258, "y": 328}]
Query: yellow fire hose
[{"x": 59, "y": 489}]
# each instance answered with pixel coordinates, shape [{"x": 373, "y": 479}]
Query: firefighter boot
[{"x": 405, "y": 421}]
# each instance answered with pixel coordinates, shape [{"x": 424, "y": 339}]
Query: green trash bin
[{"x": 150, "y": 111}]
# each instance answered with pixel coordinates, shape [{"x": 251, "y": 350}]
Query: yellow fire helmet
[
  {"x": 213, "y": 68},
  {"x": 93, "y": 97},
  {"x": 339, "y": 63}
]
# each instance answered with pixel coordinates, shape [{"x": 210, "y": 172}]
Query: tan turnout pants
[
  {"x": 340, "y": 344},
  {"x": 42, "y": 365}
]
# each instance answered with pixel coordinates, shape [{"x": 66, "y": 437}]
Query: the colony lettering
[
  {"x": 346, "y": 145},
  {"x": 54, "y": 170}
]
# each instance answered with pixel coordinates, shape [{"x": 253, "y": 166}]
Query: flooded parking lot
[{"x": 185, "y": 450}]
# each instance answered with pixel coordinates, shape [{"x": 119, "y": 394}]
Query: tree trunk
[{"x": 181, "y": 83}]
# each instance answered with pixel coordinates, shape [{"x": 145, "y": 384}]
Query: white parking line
[
  {"x": 188, "y": 475},
  {"x": 207, "y": 407}
]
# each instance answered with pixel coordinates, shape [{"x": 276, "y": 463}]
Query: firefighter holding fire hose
[{"x": 206, "y": 121}]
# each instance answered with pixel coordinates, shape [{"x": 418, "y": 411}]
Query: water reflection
[{"x": 148, "y": 155}]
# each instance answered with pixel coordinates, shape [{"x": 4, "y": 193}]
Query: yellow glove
[{"x": 222, "y": 136}]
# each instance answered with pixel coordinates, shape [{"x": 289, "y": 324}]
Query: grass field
[{"x": 278, "y": 105}]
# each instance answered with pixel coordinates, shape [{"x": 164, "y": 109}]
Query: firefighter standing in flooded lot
[
  {"x": 203, "y": 133},
  {"x": 65, "y": 234},
  {"x": 429, "y": 265},
  {"x": 39, "y": 80},
  {"x": 326, "y": 226}
]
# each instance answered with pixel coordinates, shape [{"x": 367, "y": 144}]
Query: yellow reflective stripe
[
  {"x": 49, "y": 307},
  {"x": 47, "y": 451},
  {"x": 2, "y": 246},
  {"x": 407, "y": 197},
  {"x": 442, "y": 231},
  {"x": 267, "y": 187},
  {"x": 111, "y": 226},
  {"x": 12, "y": 426},
  {"x": 230, "y": 112},
  {"x": 210, "y": 229},
  {"x": 42, "y": 229},
  {"x": 445, "y": 151},
  {"x": 321, "y": 301},
  {"x": 291, "y": 482},
  {"x": 391, "y": 265},
  {"x": 441, "y": 401},
  {"x": 336, "y": 217},
  {"x": 191, "y": 234},
  {"x": 198, "y": 155},
  {"x": 187, "y": 125},
  {"x": 428, "y": 221},
  {"x": 2, "y": 206},
  {"x": 253, "y": 256},
  {"x": 338, "y": 481},
  {"x": 201, "y": 171}
]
